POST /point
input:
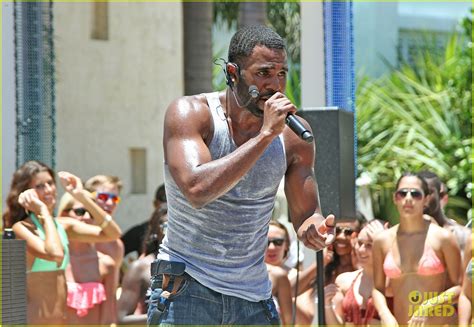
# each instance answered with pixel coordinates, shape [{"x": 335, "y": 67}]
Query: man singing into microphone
[{"x": 225, "y": 154}]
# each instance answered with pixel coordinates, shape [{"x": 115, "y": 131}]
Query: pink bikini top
[
  {"x": 83, "y": 296},
  {"x": 428, "y": 265}
]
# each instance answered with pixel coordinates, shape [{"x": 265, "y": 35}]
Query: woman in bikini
[
  {"x": 89, "y": 276},
  {"x": 30, "y": 207},
  {"x": 275, "y": 256},
  {"x": 349, "y": 300},
  {"x": 422, "y": 261}
]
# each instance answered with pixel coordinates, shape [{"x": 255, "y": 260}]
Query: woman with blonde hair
[
  {"x": 30, "y": 213},
  {"x": 89, "y": 276}
]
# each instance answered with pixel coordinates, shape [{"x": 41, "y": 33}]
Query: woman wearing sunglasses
[
  {"x": 342, "y": 259},
  {"x": 421, "y": 260},
  {"x": 275, "y": 256},
  {"x": 30, "y": 213},
  {"x": 338, "y": 259},
  {"x": 89, "y": 276},
  {"x": 106, "y": 192},
  {"x": 349, "y": 300}
]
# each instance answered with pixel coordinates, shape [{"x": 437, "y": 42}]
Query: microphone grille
[{"x": 253, "y": 91}]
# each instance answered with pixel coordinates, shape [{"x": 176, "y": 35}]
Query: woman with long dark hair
[
  {"x": 421, "y": 259},
  {"x": 30, "y": 213}
]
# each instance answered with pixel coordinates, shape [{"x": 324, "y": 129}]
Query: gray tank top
[{"x": 223, "y": 244}]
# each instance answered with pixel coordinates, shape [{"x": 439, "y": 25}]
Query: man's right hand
[
  {"x": 276, "y": 109},
  {"x": 320, "y": 237}
]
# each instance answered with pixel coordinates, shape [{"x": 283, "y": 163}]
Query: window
[
  {"x": 138, "y": 170},
  {"x": 100, "y": 21}
]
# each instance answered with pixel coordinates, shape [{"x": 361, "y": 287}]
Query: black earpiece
[
  {"x": 229, "y": 80},
  {"x": 225, "y": 65}
]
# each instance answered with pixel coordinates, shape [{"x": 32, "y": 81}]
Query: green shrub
[{"x": 419, "y": 117}]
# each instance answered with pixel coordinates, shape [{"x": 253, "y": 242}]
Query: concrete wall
[
  {"x": 8, "y": 99},
  {"x": 312, "y": 55},
  {"x": 112, "y": 94}
]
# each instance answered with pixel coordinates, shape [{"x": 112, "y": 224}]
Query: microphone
[
  {"x": 253, "y": 91},
  {"x": 297, "y": 127},
  {"x": 293, "y": 123}
]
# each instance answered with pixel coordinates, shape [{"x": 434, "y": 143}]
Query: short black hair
[
  {"x": 430, "y": 176},
  {"x": 245, "y": 39},
  {"x": 160, "y": 194}
]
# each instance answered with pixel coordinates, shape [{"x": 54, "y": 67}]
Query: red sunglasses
[{"x": 105, "y": 196}]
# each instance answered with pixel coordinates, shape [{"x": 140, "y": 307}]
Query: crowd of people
[
  {"x": 210, "y": 254},
  {"x": 373, "y": 273}
]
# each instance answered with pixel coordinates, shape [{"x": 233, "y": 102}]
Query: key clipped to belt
[{"x": 173, "y": 274}]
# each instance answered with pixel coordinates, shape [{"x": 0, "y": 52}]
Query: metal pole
[{"x": 320, "y": 287}]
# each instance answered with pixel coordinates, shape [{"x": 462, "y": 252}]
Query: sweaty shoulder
[{"x": 188, "y": 114}]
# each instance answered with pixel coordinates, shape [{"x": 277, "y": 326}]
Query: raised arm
[
  {"x": 50, "y": 248},
  {"x": 107, "y": 229},
  {"x": 301, "y": 190},
  {"x": 188, "y": 130}
]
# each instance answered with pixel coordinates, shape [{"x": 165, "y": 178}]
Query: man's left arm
[{"x": 301, "y": 190}]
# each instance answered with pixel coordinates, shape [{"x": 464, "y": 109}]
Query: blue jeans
[{"x": 195, "y": 304}]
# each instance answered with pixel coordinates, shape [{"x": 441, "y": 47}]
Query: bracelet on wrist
[
  {"x": 106, "y": 222},
  {"x": 41, "y": 217}
]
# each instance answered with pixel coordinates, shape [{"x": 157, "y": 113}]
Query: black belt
[
  {"x": 172, "y": 273},
  {"x": 160, "y": 267}
]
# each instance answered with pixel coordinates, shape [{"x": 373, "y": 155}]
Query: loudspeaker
[
  {"x": 333, "y": 131},
  {"x": 14, "y": 308}
]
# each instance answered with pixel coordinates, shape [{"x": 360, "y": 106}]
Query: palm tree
[
  {"x": 197, "y": 23},
  {"x": 252, "y": 13}
]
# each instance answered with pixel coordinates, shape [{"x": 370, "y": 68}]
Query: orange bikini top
[
  {"x": 353, "y": 313},
  {"x": 429, "y": 264}
]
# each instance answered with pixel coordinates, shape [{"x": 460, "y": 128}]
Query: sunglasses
[
  {"x": 346, "y": 230},
  {"x": 79, "y": 211},
  {"x": 105, "y": 196},
  {"x": 414, "y": 193},
  {"x": 276, "y": 241}
]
